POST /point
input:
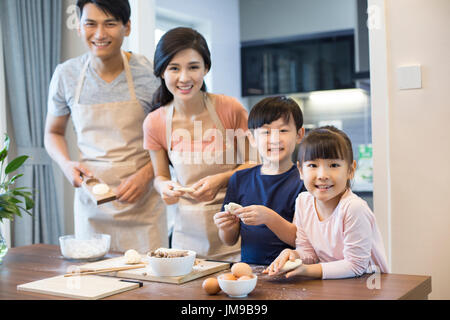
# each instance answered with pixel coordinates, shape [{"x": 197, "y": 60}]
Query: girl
[
  {"x": 182, "y": 110},
  {"x": 337, "y": 236}
]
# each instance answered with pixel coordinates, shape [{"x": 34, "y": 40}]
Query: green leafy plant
[{"x": 12, "y": 199}]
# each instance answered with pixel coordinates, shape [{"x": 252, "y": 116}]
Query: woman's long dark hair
[{"x": 172, "y": 42}]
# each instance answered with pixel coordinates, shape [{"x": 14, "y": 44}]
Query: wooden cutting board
[
  {"x": 201, "y": 269},
  {"x": 89, "y": 287}
]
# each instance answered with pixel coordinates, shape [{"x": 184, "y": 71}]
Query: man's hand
[
  {"x": 135, "y": 186},
  {"x": 73, "y": 171}
]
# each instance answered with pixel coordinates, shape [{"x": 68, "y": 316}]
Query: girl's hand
[
  {"x": 208, "y": 187},
  {"x": 225, "y": 220},
  {"x": 278, "y": 263},
  {"x": 169, "y": 195},
  {"x": 254, "y": 215}
]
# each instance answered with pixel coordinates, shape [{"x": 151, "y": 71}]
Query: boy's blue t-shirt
[{"x": 259, "y": 245}]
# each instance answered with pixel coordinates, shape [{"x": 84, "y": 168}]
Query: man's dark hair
[{"x": 119, "y": 9}]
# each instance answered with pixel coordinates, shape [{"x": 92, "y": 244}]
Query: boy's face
[
  {"x": 102, "y": 33},
  {"x": 276, "y": 141}
]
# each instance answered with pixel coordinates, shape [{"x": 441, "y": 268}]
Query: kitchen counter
[{"x": 36, "y": 262}]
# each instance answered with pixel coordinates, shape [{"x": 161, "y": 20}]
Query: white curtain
[
  {"x": 31, "y": 46},
  {"x": 5, "y": 226}
]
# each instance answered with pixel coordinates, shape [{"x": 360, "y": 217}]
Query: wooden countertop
[{"x": 30, "y": 263}]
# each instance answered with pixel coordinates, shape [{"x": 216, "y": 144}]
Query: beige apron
[
  {"x": 194, "y": 227},
  {"x": 110, "y": 139}
]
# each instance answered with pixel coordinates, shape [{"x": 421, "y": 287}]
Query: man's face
[{"x": 102, "y": 33}]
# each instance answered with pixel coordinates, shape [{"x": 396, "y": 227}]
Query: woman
[{"x": 182, "y": 110}]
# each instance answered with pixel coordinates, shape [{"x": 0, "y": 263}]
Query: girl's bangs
[{"x": 316, "y": 147}]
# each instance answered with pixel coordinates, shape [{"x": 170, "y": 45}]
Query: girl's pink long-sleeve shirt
[{"x": 346, "y": 244}]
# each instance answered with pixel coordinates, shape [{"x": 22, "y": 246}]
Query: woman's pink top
[
  {"x": 230, "y": 111},
  {"x": 346, "y": 244}
]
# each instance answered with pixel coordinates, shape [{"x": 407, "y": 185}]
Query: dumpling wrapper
[
  {"x": 100, "y": 189},
  {"x": 291, "y": 265},
  {"x": 230, "y": 207},
  {"x": 184, "y": 189}
]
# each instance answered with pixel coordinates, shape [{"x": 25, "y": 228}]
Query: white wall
[
  {"x": 265, "y": 19},
  {"x": 222, "y": 20},
  {"x": 410, "y": 133}
]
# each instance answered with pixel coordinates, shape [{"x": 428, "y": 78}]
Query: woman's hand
[
  {"x": 208, "y": 187},
  {"x": 73, "y": 171},
  {"x": 225, "y": 220},
  {"x": 278, "y": 263},
  {"x": 167, "y": 193},
  {"x": 255, "y": 215}
]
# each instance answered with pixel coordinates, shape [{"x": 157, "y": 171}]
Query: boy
[{"x": 267, "y": 192}]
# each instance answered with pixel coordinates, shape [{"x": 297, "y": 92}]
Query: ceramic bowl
[
  {"x": 171, "y": 267},
  {"x": 237, "y": 288},
  {"x": 85, "y": 249}
]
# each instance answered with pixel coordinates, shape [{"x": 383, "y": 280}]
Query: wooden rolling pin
[{"x": 104, "y": 270}]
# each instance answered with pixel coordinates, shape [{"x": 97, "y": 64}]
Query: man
[{"x": 107, "y": 92}]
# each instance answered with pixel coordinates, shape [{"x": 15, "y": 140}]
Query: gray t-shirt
[{"x": 95, "y": 90}]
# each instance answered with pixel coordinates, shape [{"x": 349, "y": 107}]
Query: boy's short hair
[
  {"x": 273, "y": 108},
  {"x": 119, "y": 9}
]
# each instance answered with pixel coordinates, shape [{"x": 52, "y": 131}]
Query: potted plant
[{"x": 13, "y": 201}]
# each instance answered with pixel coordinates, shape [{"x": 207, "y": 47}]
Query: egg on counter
[
  {"x": 241, "y": 269},
  {"x": 211, "y": 286}
]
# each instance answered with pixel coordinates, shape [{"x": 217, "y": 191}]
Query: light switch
[{"x": 409, "y": 77}]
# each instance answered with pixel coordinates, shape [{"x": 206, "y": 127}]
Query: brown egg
[
  {"x": 228, "y": 276},
  {"x": 241, "y": 269},
  {"x": 244, "y": 278},
  {"x": 211, "y": 286}
]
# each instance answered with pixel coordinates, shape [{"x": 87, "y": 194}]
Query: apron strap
[
  {"x": 129, "y": 77},
  {"x": 81, "y": 81},
  {"x": 127, "y": 74},
  {"x": 213, "y": 114},
  {"x": 169, "y": 117}
]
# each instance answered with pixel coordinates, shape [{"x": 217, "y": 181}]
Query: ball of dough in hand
[
  {"x": 100, "y": 189},
  {"x": 231, "y": 207}
]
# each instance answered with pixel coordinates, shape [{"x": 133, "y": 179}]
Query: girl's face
[
  {"x": 326, "y": 179},
  {"x": 185, "y": 73}
]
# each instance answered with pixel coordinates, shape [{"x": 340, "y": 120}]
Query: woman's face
[{"x": 185, "y": 73}]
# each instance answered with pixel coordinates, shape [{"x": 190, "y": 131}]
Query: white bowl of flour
[{"x": 85, "y": 249}]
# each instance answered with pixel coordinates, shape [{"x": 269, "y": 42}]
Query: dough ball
[
  {"x": 241, "y": 269},
  {"x": 291, "y": 265},
  {"x": 231, "y": 207},
  {"x": 132, "y": 257},
  {"x": 100, "y": 189},
  {"x": 184, "y": 189}
]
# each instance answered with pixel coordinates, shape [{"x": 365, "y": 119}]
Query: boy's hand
[
  {"x": 255, "y": 215},
  {"x": 225, "y": 220},
  {"x": 278, "y": 263}
]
